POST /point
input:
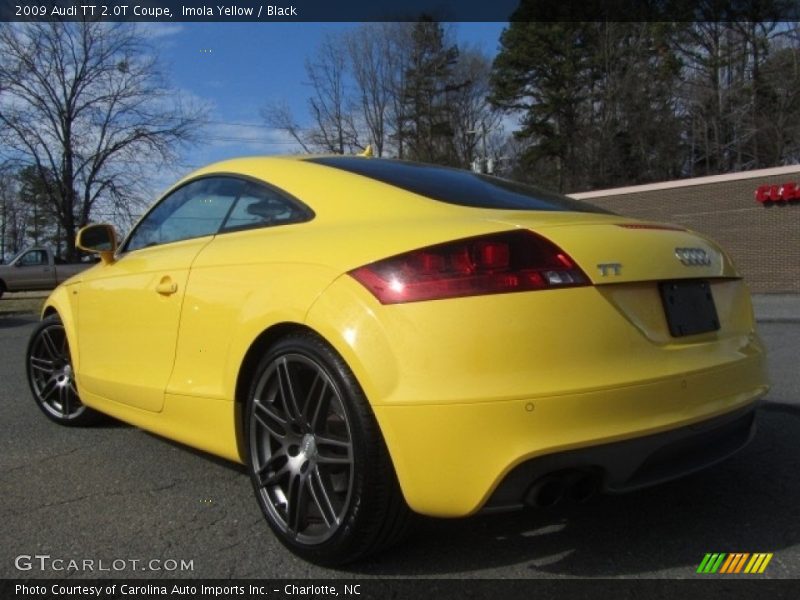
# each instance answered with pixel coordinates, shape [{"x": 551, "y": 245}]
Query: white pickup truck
[{"x": 36, "y": 269}]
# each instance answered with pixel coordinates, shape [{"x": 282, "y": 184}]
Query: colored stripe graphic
[
  {"x": 710, "y": 563},
  {"x": 759, "y": 563},
  {"x": 727, "y": 564},
  {"x": 704, "y": 564},
  {"x": 735, "y": 562},
  {"x": 743, "y": 562}
]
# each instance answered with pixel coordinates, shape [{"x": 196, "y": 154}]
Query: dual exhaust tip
[{"x": 576, "y": 486}]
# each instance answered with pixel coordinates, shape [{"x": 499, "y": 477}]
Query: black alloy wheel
[
  {"x": 51, "y": 376},
  {"x": 318, "y": 464}
]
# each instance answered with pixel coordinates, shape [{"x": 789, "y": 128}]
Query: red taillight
[{"x": 513, "y": 261}]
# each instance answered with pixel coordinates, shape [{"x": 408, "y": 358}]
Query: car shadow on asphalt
[
  {"x": 745, "y": 504},
  {"x": 107, "y": 422},
  {"x": 217, "y": 460}
]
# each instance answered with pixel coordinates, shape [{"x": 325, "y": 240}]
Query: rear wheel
[
  {"x": 51, "y": 377},
  {"x": 317, "y": 460}
]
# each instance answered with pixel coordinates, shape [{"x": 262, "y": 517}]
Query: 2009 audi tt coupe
[{"x": 374, "y": 338}]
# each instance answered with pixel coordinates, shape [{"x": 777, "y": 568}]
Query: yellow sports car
[{"x": 376, "y": 337}]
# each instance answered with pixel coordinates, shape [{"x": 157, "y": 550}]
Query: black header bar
[{"x": 171, "y": 11}]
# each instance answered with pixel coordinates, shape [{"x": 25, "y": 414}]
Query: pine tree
[
  {"x": 543, "y": 69},
  {"x": 426, "y": 120}
]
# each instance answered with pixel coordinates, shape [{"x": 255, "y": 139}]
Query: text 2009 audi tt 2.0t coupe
[{"x": 371, "y": 336}]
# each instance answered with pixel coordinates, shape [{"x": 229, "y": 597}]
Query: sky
[{"x": 237, "y": 68}]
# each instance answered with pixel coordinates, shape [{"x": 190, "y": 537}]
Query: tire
[
  {"x": 2, "y": 289},
  {"x": 318, "y": 463},
  {"x": 50, "y": 376}
]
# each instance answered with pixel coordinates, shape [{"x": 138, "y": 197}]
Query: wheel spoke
[
  {"x": 266, "y": 478},
  {"x": 49, "y": 345},
  {"x": 320, "y": 405},
  {"x": 321, "y": 498},
  {"x": 308, "y": 402},
  {"x": 267, "y": 474},
  {"x": 297, "y": 504},
  {"x": 287, "y": 391},
  {"x": 267, "y": 416},
  {"x": 333, "y": 460},
  {"x": 333, "y": 443},
  {"x": 339, "y": 451},
  {"x": 48, "y": 388},
  {"x": 42, "y": 364},
  {"x": 63, "y": 396}
]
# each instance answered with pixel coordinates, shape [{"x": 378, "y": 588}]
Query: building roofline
[{"x": 681, "y": 183}]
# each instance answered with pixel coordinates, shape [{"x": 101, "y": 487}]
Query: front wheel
[
  {"x": 317, "y": 461},
  {"x": 51, "y": 377}
]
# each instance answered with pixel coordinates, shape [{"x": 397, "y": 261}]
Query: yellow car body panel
[
  {"x": 202, "y": 423},
  {"x": 463, "y": 389},
  {"x": 123, "y": 297}
]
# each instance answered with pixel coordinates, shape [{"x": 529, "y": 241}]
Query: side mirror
[{"x": 98, "y": 239}]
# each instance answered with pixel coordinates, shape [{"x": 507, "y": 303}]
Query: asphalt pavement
[{"x": 114, "y": 495}]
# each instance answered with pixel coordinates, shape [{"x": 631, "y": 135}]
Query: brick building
[{"x": 762, "y": 236}]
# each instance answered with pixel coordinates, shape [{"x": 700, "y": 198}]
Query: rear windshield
[{"x": 456, "y": 186}]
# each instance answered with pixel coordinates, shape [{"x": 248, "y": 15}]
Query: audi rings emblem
[{"x": 693, "y": 257}]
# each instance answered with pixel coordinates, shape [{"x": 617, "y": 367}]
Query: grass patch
[{"x": 9, "y": 305}]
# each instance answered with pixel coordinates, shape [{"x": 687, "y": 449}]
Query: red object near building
[{"x": 778, "y": 193}]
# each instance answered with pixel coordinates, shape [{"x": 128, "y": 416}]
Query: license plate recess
[{"x": 689, "y": 307}]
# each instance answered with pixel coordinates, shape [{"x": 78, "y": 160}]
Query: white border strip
[{"x": 680, "y": 183}]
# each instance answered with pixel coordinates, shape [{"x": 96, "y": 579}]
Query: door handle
[{"x": 166, "y": 286}]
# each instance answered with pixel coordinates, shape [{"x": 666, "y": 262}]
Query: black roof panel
[{"x": 456, "y": 186}]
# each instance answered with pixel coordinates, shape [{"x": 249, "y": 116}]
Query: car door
[
  {"x": 129, "y": 309},
  {"x": 33, "y": 271}
]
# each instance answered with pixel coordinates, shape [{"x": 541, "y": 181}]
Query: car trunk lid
[{"x": 612, "y": 249}]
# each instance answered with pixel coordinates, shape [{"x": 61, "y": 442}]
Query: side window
[
  {"x": 260, "y": 206},
  {"x": 34, "y": 258},
  {"x": 195, "y": 210}
]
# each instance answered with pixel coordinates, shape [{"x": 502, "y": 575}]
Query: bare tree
[
  {"x": 8, "y": 211},
  {"x": 86, "y": 101},
  {"x": 399, "y": 46},
  {"x": 727, "y": 93},
  {"x": 335, "y": 129},
  {"x": 279, "y": 116},
  {"x": 24, "y": 218},
  {"x": 475, "y": 121},
  {"x": 401, "y": 87},
  {"x": 372, "y": 59}
]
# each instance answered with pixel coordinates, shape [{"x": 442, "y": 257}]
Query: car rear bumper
[
  {"x": 631, "y": 464},
  {"x": 455, "y": 459}
]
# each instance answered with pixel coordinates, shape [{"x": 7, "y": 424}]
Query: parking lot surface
[{"x": 114, "y": 493}]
